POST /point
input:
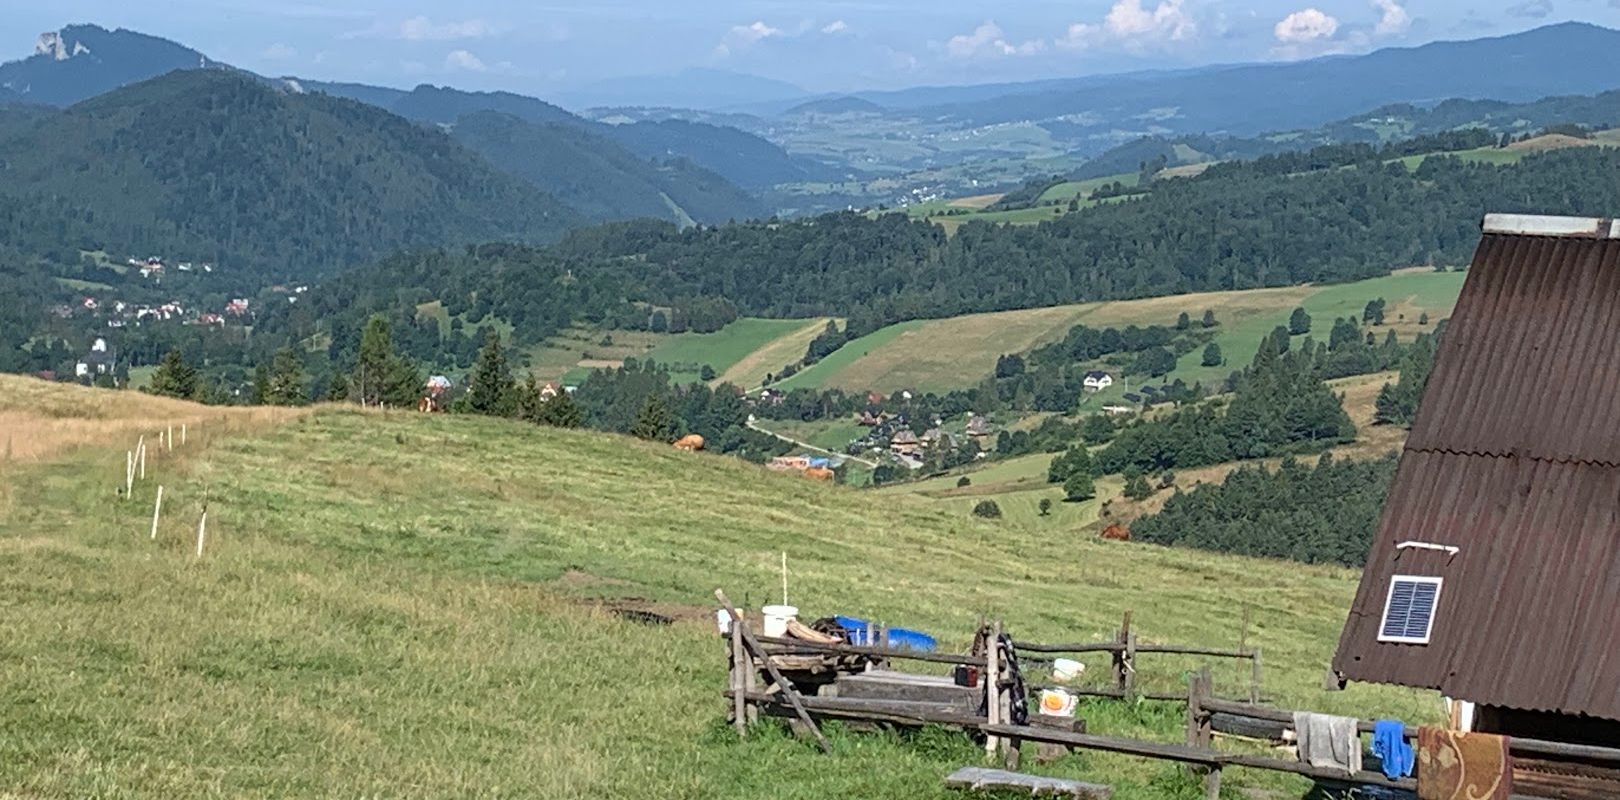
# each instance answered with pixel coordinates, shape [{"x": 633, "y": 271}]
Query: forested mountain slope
[
  {"x": 217, "y": 166},
  {"x": 600, "y": 179},
  {"x": 1239, "y": 227},
  {"x": 81, "y": 61}
]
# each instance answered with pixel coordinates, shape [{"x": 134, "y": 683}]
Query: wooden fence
[{"x": 1125, "y": 649}]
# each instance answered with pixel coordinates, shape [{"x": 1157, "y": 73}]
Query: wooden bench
[{"x": 978, "y": 779}]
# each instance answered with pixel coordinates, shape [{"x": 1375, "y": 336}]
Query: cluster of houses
[
  {"x": 154, "y": 267},
  {"x": 119, "y": 314},
  {"x": 894, "y": 433}
]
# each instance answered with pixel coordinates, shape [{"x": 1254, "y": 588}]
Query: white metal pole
[
  {"x": 157, "y": 508},
  {"x": 202, "y": 531}
]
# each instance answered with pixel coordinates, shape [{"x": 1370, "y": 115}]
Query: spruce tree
[
  {"x": 381, "y": 376},
  {"x": 1212, "y": 355},
  {"x": 284, "y": 386},
  {"x": 174, "y": 377},
  {"x": 491, "y": 390},
  {"x": 1209, "y": 318},
  {"x": 562, "y": 412},
  {"x": 654, "y": 422}
]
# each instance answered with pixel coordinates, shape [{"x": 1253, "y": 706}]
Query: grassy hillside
[
  {"x": 939, "y": 355},
  {"x": 395, "y": 605}
]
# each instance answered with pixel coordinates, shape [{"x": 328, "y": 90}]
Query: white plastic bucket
[
  {"x": 777, "y": 619},
  {"x": 1066, "y": 669}
]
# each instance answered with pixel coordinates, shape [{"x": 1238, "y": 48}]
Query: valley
[{"x": 385, "y": 398}]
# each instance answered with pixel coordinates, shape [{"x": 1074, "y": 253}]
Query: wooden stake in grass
[
  {"x": 182, "y": 434},
  {"x": 784, "y": 578},
  {"x": 169, "y": 438},
  {"x": 157, "y": 509},
  {"x": 129, "y": 473},
  {"x": 202, "y": 531},
  {"x": 141, "y": 457}
]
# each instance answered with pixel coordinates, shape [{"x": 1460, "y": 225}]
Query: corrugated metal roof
[{"x": 1515, "y": 460}]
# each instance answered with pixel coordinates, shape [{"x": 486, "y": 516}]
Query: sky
[{"x": 557, "y": 47}]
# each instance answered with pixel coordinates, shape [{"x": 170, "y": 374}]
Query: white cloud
[
  {"x": 1306, "y": 25},
  {"x": 423, "y": 29},
  {"x": 464, "y": 60},
  {"x": 989, "y": 40},
  {"x": 1395, "y": 20},
  {"x": 840, "y": 26},
  {"x": 1134, "y": 26},
  {"x": 279, "y": 52},
  {"x": 741, "y": 37}
]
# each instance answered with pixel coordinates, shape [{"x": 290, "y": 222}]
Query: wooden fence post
[
  {"x": 1200, "y": 729},
  {"x": 129, "y": 473},
  {"x": 992, "y": 690},
  {"x": 739, "y": 691},
  {"x": 1120, "y": 667},
  {"x": 1130, "y": 660},
  {"x": 1254, "y": 678}
]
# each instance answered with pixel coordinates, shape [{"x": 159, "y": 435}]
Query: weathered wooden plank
[
  {"x": 799, "y": 646},
  {"x": 982, "y": 779},
  {"x": 906, "y": 687},
  {"x": 898, "y": 713},
  {"x": 776, "y": 675}
]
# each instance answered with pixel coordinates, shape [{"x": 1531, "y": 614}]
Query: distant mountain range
[
  {"x": 706, "y": 89},
  {"x": 1379, "y": 126},
  {"x": 84, "y": 61},
  {"x": 215, "y": 165},
  {"x": 1569, "y": 58}
]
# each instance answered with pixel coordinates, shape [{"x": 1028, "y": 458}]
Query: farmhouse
[
  {"x": 1495, "y": 573},
  {"x": 905, "y": 443},
  {"x": 99, "y": 361},
  {"x": 1097, "y": 380}
]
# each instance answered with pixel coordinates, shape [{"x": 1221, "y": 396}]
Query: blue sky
[{"x": 552, "y": 46}]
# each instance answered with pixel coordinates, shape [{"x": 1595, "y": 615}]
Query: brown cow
[
  {"x": 820, "y": 474},
  {"x": 689, "y": 443},
  {"x": 1116, "y": 533}
]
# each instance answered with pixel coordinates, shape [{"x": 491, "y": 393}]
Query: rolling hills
[
  {"x": 211, "y": 165},
  {"x": 597, "y": 177},
  {"x": 410, "y": 604},
  {"x": 79, "y": 62}
]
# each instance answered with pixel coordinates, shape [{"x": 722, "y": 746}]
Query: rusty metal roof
[{"x": 1515, "y": 461}]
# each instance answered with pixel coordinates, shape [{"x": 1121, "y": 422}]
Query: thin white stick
[
  {"x": 129, "y": 473},
  {"x": 157, "y": 508},
  {"x": 202, "y": 532},
  {"x": 169, "y": 444},
  {"x": 143, "y": 460},
  {"x": 182, "y": 434},
  {"x": 784, "y": 578}
]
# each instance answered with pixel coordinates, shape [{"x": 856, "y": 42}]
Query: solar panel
[{"x": 1409, "y": 610}]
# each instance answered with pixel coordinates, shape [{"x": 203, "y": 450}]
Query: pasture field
[
  {"x": 392, "y": 604},
  {"x": 742, "y": 352},
  {"x": 958, "y": 352},
  {"x": 725, "y": 348}
]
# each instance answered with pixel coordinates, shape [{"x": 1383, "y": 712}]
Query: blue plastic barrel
[{"x": 899, "y": 638}]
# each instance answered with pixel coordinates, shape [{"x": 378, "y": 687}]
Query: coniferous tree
[
  {"x": 1209, "y": 318},
  {"x": 491, "y": 390},
  {"x": 1212, "y": 356},
  {"x": 1138, "y": 488},
  {"x": 561, "y": 412},
  {"x": 285, "y": 384},
  {"x": 1183, "y": 322},
  {"x": 382, "y": 376},
  {"x": 654, "y": 422},
  {"x": 174, "y": 377}
]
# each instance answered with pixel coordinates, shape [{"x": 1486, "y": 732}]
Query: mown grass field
[
  {"x": 724, "y": 348},
  {"x": 954, "y": 353},
  {"x": 402, "y": 605},
  {"x": 742, "y": 352}
]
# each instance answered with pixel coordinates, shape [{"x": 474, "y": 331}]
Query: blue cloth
[{"x": 1389, "y": 744}]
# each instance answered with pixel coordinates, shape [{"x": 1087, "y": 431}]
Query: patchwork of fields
[
  {"x": 955, "y": 353},
  {"x": 394, "y": 604}
]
